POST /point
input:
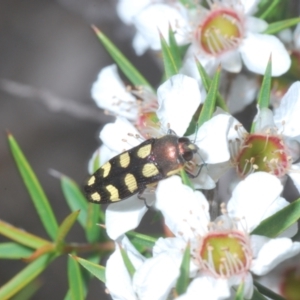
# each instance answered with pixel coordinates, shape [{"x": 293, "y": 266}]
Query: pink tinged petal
[
  {"x": 209, "y": 287},
  {"x": 156, "y": 18},
  {"x": 128, "y": 9},
  {"x": 124, "y": 216},
  {"x": 294, "y": 173},
  {"x": 255, "y": 24},
  {"x": 183, "y": 209},
  {"x": 115, "y": 135},
  {"x": 242, "y": 92},
  {"x": 110, "y": 93},
  {"x": 272, "y": 253},
  {"x": 118, "y": 280},
  {"x": 256, "y": 50},
  {"x": 178, "y": 98},
  {"x": 156, "y": 277},
  {"x": 231, "y": 61},
  {"x": 212, "y": 139},
  {"x": 253, "y": 197},
  {"x": 286, "y": 116}
]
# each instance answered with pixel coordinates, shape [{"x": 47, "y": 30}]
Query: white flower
[
  {"x": 186, "y": 214},
  {"x": 178, "y": 99},
  {"x": 227, "y": 33}
]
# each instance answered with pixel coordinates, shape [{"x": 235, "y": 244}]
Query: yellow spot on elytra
[
  {"x": 124, "y": 160},
  {"x": 91, "y": 181},
  {"x": 144, "y": 151},
  {"x": 114, "y": 193},
  {"x": 173, "y": 172},
  {"x": 131, "y": 183},
  {"x": 106, "y": 169},
  {"x": 150, "y": 170},
  {"x": 96, "y": 197}
]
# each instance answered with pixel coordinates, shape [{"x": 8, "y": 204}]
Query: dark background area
[{"x": 49, "y": 46}]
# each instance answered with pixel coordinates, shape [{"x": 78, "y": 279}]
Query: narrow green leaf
[
  {"x": 280, "y": 25},
  {"x": 66, "y": 226},
  {"x": 169, "y": 60},
  {"x": 92, "y": 229},
  {"x": 24, "y": 277},
  {"x": 21, "y": 236},
  {"x": 185, "y": 179},
  {"x": 68, "y": 295},
  {"x": 133, "y": 75},
  {"x": 263, "y": 100},
  {"x": 75, "y": 198},
  {"x": 240, "y": 292},
  {"x": 265, "y": 90},
  {"x": 14, "y": 251},
  {"x": 280, "y": 221},
  {"x": 97, "y": 270},
  {"x": 257, "y": 295},
  {"x": 268, "y": 11},
  {"x": 34, "y": 188},
  {"x": 141, "y": 239},
  {"x": 75, "y": 279},
  {"x": 267, "y": 292},
  {"x": 128, "y": 264},
  {"x": 210, "y": 101},
  {"x": 28, "y": 291},
  {"x": 207, "y": 82},
  {"x": 184, "y": 278},
  {"x": 174, "y": 48}
]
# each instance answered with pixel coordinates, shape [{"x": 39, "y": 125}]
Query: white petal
[
  {"x": 118, "y": 280},
  {"x": 256, "y": 50},
  {"x": 231, "y": 61},
  {"x": 189, "y": 209},
  {"x": 264, "y": 120},
  {"x": 140, "y": 44},
  {"x": 242, "y": 92},
  {"x": 211, "y": 288},
  {"x": 255, "y": 24},
  {"x": 178, "y": 98},
  {"x": 156, "y": 277},
  {"x": 257, "y": 190},
  {"x": 272, "y": 253},
  {"x": 157, "y": 18},
  {"x": 294, "y": 173},
  {"x": 110, "y": 93},
  {"x": 123, "y": 216},
  {"x": 115, "y": 135},
  {"x": 286, "y": 35},
  {"x": 127, "y": 9},
  {"x": 250, "y": 6},
  {"x": 212, "y": 138},
  {"x": 286, "y": 116}
]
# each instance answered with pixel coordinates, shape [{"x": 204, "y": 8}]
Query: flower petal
[
  {"x": 118, "y": 280},
  {"x": 123, "y": 216},
  {"x": 211, "y": 288},
  {"x": 255, "y": 24},
  {"x": 178, "y": 98},
  {"x": 256, "y": 50},
  {"x": 286, "y": 116},
  {"x": 257, "y": 190},
  {"x": 232, "y": 62},
  {"x": 183, "y": 208},
  {"x": 156, "y": 277},
  {"x": 110, "y": 93},
  {"x": 272, "y": 253},
  {"x": 119, "y": 136}
]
